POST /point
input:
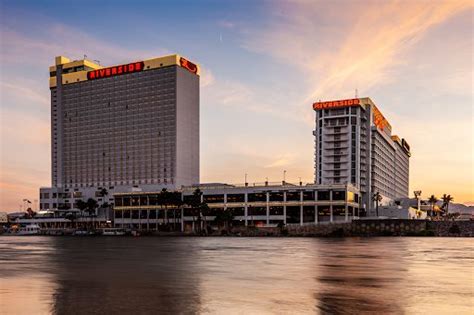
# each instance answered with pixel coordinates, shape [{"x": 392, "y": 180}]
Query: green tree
[
  {"x": 177, "y": 203},
  {"x": 377, "y": 197},
  {"x": 82, "y": 206},
  {"x": 447, "y": 199},
  {"x": 164, "y": 200},
  {"x": 224, "y": 218},
  {"x": 197, "y": 208},
  {"x": 432, "y": 200}
]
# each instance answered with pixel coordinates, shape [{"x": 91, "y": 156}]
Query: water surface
[{"x": 71, "y": 275}]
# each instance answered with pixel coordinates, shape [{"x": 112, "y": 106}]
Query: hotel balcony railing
[
  {"x": 335, "y": 140},
  {"x": 344, "y": 146}
]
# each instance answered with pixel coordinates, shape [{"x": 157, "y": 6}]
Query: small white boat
[
  {"x": 113, "y": 232},
  {"x": 30, "y": 229}
]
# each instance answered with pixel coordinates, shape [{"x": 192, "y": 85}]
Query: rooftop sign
[
  {"x": 116, "y": 70},
  {"x": 379, "y": 119},
  {"x": 185, "y": 63},
  {"x": 336, "y": 104},
  {"x": 405, "y": 145}
]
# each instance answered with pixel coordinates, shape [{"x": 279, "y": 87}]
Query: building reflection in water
[
  {"x": 92, "y": 275},
  {"x": 357, "y": 276},
  {"x": 125, "y": 275}
]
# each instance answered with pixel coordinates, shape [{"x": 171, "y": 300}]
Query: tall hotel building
[
  {"x": 123, "y": 128},
  {"x": 354, "y": 144}
]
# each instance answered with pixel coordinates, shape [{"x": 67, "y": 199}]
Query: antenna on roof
[
  {"x": 356, "y": 93},
  {"x": 85, "y": 56}
]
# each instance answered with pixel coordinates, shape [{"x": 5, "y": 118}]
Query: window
[
  {"x": 308, "y": 195},
  {"x": 255, "y": 197},
  {"x": 323, "y": 195},
  {"x": 338, "y": 195},
  {"x": 276, "y": 210},
  {"x": 293, "y": 196},
  {"x": 257, "y": 211},
  {"x": 240, "y": 211},
  {"x": 235, "y": 198},
  {"x": 276, "y": 196},
  {"x": 213, "y": 198}
]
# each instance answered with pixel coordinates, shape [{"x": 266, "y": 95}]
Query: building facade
[
  {"x": 354, "y": 144},
  {"x": 122, "y": 128},
  {"x": 257, "y": 205}
]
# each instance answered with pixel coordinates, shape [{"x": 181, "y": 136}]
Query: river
[{"x": 189, "y": 275}]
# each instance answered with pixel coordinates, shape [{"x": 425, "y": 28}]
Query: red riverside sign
[
  {"x": 191, "y": 67},
  {"x": 117, "y": 70},
  {"x": 379, "y": 119},
  {"x": 335, "y": 104}
]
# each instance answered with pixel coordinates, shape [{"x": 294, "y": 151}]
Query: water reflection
[
  {"x": 360, "y": 277},
  {"x": 67, "y": 275},
  {"x": 124, "y": 275}
]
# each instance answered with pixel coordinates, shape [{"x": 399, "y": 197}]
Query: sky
[{"x": 263, "y": 65}]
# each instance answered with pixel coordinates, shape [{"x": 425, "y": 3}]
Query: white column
[
  {"x": 316, "y": 219},
  {"x": 246, "y": 209},
  {"x": 347, "y": 213},
  {"x": 301, "y": 208},
  {"x": 268, "y": 208},
  {"x": 330, "y": 206},
  {"x": 182, "y": 220}
]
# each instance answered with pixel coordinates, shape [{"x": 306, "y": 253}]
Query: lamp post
[{"x": 417, "y": 194}]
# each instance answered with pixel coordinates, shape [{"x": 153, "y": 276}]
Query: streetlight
[{"x": 417, "y": 194}]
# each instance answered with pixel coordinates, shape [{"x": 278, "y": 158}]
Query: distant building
[
  {"x": 354, "y": 144},
  {"x": 3, "y": 217},
  {"x": 121, "y": 128}
]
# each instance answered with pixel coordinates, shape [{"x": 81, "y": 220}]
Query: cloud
[
  {"x": 25, "y": 100},
  {"x": 207, "y": 78},
  {"x": 346, "y": 45},
  {"x": 22, "y": 92},
  {"x": 58, "y": 39},
  {"x": 226, "y": 24},
  {"x": 281, "y": 162}
]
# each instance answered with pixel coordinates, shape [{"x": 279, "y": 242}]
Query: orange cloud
[{"x": 347, "y": 45}]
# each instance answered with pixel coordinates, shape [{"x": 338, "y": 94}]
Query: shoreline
[{"x": 356, "y": 228}]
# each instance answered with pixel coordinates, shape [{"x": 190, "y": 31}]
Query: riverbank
[{"x": 356, "y": 228}]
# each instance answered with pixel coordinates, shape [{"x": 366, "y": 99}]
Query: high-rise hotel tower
[
  {"x": 122, "y": 128},
  {"x": 354, "y": 144}
]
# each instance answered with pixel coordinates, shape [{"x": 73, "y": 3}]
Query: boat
[
  {"x": 30, "y": 229},
  {"x": 113, "y": 232}
]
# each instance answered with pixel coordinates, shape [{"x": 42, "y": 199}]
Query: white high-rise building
[
  {"x": 354, "y": 144},
  {"x": 122, "y": 128}
]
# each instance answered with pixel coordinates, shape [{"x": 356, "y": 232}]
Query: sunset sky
[{"x": 263, "y": 65}]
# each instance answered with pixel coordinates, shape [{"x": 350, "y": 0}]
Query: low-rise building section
[{"x": 259, "y": 205}]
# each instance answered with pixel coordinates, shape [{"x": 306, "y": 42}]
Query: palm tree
[
  {"x": 195, "y": 204},
  {"x": 91, "y": 206},
  {"x": 165, "y": 201},
  {"x": 104, "y": 193},
  {"x": 446, "y": 200},
  {"x": 224, "y": 217},
  {"x": 82, "y": 206},
  {"x": 377, "y": 197},
  {"x": 432, "y": 200},
  {"x": 175, "y": 200}
]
